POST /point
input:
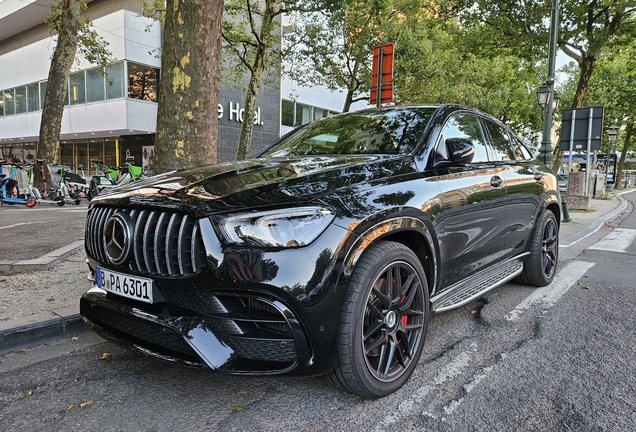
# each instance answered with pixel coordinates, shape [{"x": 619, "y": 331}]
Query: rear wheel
[
  {"x": 60, "y": 200},
  {"x": 383, "y": 323},
  {"x": 540, "y": 268},
  {"x": 30, "y": 202}
]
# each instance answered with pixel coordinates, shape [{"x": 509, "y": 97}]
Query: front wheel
[
  {"x": 60, "y": 200},
  {"x": 383, "y": 323},
  {"x": 541, "y": 266}
]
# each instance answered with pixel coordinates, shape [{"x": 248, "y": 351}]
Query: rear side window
[{"x": 499, "y": 141}]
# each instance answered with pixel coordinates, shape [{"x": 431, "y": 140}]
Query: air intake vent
[{"x": 163, "y": 243}]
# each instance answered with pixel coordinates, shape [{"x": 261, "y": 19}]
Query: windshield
[{"x": 384, "y": 131}]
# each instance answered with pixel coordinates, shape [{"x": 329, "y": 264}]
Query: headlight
[{"x": 278, "y": 228}]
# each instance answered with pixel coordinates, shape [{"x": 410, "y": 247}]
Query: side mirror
[{"x": 460, "y": 150}]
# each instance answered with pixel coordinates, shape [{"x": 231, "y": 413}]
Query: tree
[
  {"x": 586, "y": 29},
  {"x": 250, "y": 33},
  {"x": 71, "y": 31},
  {"x": 432, "y": 51},
  {"x": 187, "y": 119},
  {"x": 339, "y": 54}
]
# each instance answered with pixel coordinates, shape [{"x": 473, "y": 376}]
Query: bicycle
[{"x": 9, "y": 192}]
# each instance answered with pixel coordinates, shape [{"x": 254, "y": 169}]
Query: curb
[
  {"x": 44, "y": 262},
  {"x": 40, "y": 328},
  {"x": 598, "y": 223}
]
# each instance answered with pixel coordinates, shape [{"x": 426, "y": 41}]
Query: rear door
[{"x": 522, "y": 181}]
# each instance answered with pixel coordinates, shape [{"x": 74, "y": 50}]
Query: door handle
[{"x": 496, "y": 181}]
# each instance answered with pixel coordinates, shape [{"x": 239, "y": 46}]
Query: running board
[{"x": 476, "y": 286}]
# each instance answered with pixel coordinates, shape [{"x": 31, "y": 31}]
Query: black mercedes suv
[{"x": 326, "y": 253}]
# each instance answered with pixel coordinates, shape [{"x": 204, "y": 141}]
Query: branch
[{"x": 570, "y": 51}]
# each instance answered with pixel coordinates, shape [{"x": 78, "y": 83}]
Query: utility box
[{"x": 577, "y": 198}]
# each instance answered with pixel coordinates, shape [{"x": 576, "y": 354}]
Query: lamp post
[
  {"x": 546, "y": 96},
  {"x": 612, "y": 134}
]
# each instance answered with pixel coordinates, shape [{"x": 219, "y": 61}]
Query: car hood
[{"x": 257, "y": 182}]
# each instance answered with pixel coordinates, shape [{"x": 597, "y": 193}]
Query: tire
[
  {"x": 60, "y": 200},
  {"x": 394, "y": 324},
  {"x": 30, "y": 202},
  {"x": 540, "y": 268}
]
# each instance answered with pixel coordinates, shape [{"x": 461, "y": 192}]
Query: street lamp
[
  {"x": 546, "y": 96},
  {"x": 612, "y": 134},
  {"x": 543, "y": 96}
]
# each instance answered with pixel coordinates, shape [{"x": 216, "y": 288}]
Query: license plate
[{"x": 134, "y": 287}]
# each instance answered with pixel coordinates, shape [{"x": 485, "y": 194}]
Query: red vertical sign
[{"x": 382, "y": 74}]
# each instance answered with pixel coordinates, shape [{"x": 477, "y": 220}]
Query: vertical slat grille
[{"x": 163, "y": 243}]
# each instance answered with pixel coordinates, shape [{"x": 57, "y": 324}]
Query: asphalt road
[
  {"x": 40, "y": 229},
  {"x": 519, "y": 359}
]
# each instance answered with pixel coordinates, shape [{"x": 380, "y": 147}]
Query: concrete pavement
[{"x": 62, "y": 323}]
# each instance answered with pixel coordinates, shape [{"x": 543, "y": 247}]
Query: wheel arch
[{"x": 409, "y": 231}]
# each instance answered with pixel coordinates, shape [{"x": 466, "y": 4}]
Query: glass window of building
[
  {"x": 42, "y": 93},
  {"x": 95, "y": 90},
  {"x": 9, "y": 105},
  {"x": 78, "y": 88},
  {"x": 66, "y": 153},
  {"x": 1, "y": 104},
  {"x": 110, "y": 152},
  {"x": 81, "y": 164},
  {"x": 287, "y": 115},
  {"x": 33, "y": 97},
  {"x": 20, "y": 100},
  {"x": 115, "y": 81},
  {"x": 29, "y": 152},
  {"x": 142, "y": 82},
  {"x": 95, "y": 152},
  {"x": 303, "y": 114}
]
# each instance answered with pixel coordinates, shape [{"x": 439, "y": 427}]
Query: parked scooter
[
  {"x": 31, "y": 191},
  {"x": 9, "y": 192},
  {"x": 97, "y": 183},
  {"x": 59, "y": 175}
]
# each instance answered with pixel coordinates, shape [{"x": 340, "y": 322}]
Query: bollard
[{"x": 566, "y": 213}]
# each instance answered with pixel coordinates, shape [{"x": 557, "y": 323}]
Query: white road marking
[
  {"x": 549, "y": 295},
  {"x": 617, "y": 241},
  {"x": 22, "y": 223},
  {"x": 410, "y": 405}
]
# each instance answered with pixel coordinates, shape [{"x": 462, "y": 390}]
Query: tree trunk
[
  {"x": 351, "y": 88},
  {"x": 187, "y": 118},
  {"x": 48, "y": 146},
  {"x": 254, "y": 86},
  {"x": 629, "y": 130}
]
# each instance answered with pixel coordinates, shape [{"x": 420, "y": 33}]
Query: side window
[
  {"x": 500, "y": 141},
  {"x": 467, "y": 126},
  {"x": 520, "y": 150}
]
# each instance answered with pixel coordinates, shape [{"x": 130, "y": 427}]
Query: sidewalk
[{"x": 34, "y": 316}]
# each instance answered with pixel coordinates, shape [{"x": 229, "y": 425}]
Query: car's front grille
[{"x": 163, "y": 243}]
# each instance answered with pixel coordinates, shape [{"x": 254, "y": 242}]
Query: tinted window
[
  {"x": 500, "y": 141},
  {"x": 467, "y": 126},
  {"x": 369, "y": 132}
]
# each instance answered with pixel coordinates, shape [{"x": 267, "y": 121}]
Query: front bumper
[{"x": 242, "y": 334}]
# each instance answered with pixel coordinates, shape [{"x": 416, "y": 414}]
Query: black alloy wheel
[
  {"x": 384, "y": 321},
  {"x": 541, "y": 266}
]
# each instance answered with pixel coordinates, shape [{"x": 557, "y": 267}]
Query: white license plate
[{"x": 134, "y": 287}]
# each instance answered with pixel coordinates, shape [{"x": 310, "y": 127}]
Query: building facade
[{"x": 112, "y": 117}]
